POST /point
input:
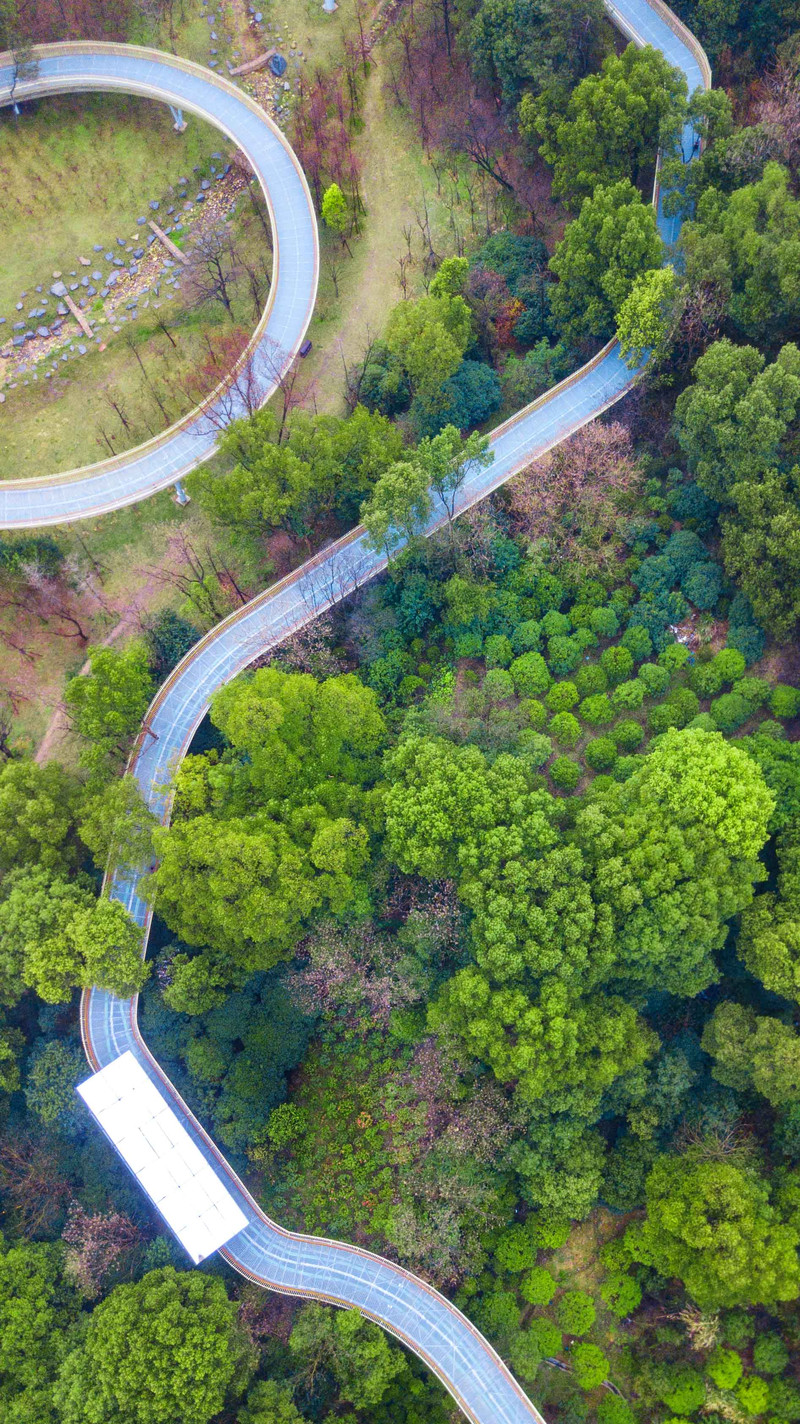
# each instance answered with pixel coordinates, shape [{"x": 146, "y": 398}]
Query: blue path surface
[
  {"x": 127, "y": 69},
  {"x": 311, "y": 1266}
]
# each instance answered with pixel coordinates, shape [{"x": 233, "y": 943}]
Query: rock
[
  {"x": 97, "y": 276},
  {"x": 118, "y": 262},
  {"x": 140, "y": 222},
  {"x": 138, "y": 253},
  {"x": 30, "y": 335},
  {"x": 109, "y": 256},
  {"x": 56, "y": 276},
  {"x": 19, "y": 306},
  {"x": 61, "y": 309},
  {"x": 84, "y": 261},
  {"x": 216, "y": 155},
  {"x": 154, "y": 205},
  {"x": 2, "y": 321},
  {"x": 98, "y": 247},
  {"x": 2, "y": 398},
  {"x": 205, "y": 185},
  {"x": 58, "y": 289},
  {"x": 91, "y": 291},
  {"x": 111, "y": 279},
  {"x": 104, "y": 292},
  {"x": 18, "y": 326},
  {"x": 73, "y": 286},
  {"x": 170, "y": 211},
  {"x": 42, "y": 331},
  {"x": 84, "y": 281},
  {"x": 18, "y": 341},
  {"x": 201, "y": 197}
]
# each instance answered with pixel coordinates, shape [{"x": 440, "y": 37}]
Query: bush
[
  {"x": 523, "y": 1354},
  {"x": 617, "y": 664},
  {"x": 590, "y": 678},
  {"x": 547, "y": 1337},
  {"x": 563, "y": 654},
  {"x": 770, "y": 1355},
  {"x": 724, "y": 1367},
  {"x": 684, "y": 704},
  {"x": 660, "y": 719},
  {"x": 684, "y": 549},
  {"x": 597, "y": 710},
  {"x": 621, "y": 1294},
  {"x": 538, "y": 1286},
  {"x": 585, "y": 638},
  {"x": 691, "y": 505},
  {"x": 536, "y": 713},
  {"x": 565, "y": 772},
  {"x": 527, "y": 637},
  {"x": 468, "y": 645},
  {"x": 613, "y": 1410},
  {"x": 562, "y": 696},
  {"x": 706, "y": 679},
  {"x": 784, "y": 1401},
  {"x": 515, "y": 1250},
  {"x": 498, "y": 1314},
  {"x": 535, "y": 748},
  {"x": 168, "y": 639},
  {"x": 498, "y": 685},
  {"x": 655, "y": 679},
  {"x": 600, "y": 753},
  {"x": 575, "y": 1312},
  {"x": 589, "y": 1365},
  {"x": 754, "y": 690},
  {"x": 658, "y": 616},
  {"x": 674, "y": 657},
  {"x": 785, "y": 701},
  {"x": 772, "y": 729},
  {"x": 702, "y": 585},
  {"x": 753, "y": 1394},
  {"x": 530, "y": 674},
  {"x": 604, "y": 622},
  {"x": 625, "y": 766},
  {"x": 683, "y": 1390},
  {"x": 655, "y": 576},
  {"x": 549, "y": 1232},
  {"x": 730, "y": 664},
  {"x": 730, "y": 711},
  {"x": 497, "y": 651},
  {"x": 565, "y": 729},
  {"x": 738, "y": 1329},
  {"x": 629, "y": 696},
  {"x": 638, "y": 642},
  {"x": 627, "y": 735},
  {"x": 555, "y": 624},
  {"x": 748, "y": 640}
]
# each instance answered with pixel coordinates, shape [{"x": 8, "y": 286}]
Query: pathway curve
[{"x": 263, "y": 1251}]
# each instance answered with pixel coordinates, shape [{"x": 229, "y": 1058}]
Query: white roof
[{"x": 152, "y": 1140}]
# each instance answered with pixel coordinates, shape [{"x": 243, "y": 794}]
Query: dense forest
[{"x": 477, "y": 921}]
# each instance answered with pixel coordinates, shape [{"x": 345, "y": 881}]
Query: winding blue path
[{"x": 296, "y": 1264}]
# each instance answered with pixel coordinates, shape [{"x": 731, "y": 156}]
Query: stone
[
  {"x": 104, "y": 292},
  {"x": 91, "y": 291},
  {"x": 111, "y": 279},
  {"x": 84, "y": 281},
  {"x": 120, "y": 242},
  {"x": 42, "y": 331},
  {"x": 201, "y": 197},
  {"x": 84, "y": 261},
  {"x": 205, "y": 185},
  {"x": 109, "y": 257},
  {"x": 18, "y": 341},
  {"x": 140, "y": 222},
  {"x": 18, "y": 326},
  {"x": 73, "y": 286},
  {"x": 2, "y": 398},
  {"x": 118, "y": 262},
  {"x": 2, "y": 321},
  {"x": 58, "y": 289},
  {"x": 98, "y": 247},
  {"x": 138, "y": 253},
  {"x": 97, "y": 276},
  {"x": 154, "y": 205},
  {"x": 81, "y": 349},
  {"x": 19, "y": 306},
  {"x": 39, "y": 288}
]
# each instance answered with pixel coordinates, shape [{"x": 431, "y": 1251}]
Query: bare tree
[
  {"x": 213, "y": 269},
  {"x": 24, "y": 68}
]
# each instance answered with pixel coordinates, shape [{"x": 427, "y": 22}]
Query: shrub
[
  {"x": 654, "y": 576},
  {"x": 660, "y": 719},
  {"x": 575, "y": 1312},
  {"x": 617, "y": 664},
  {"x": 536, "y": 713},
  {"x": 629, "y": 696},
  {"x": 563, "y": 654},
  {"x": 498, "y": 685},
  {"x": 638, "y": 642},
  {"x": 549, "y": 1232},
  {"x": 738, "y": 1329},
  {"x": 590, "y": 678},
  {"x": 625, "y": 766},
  {"x": 730, "y": 664},
  {"x": 621, "y": 1294},
  {"x": 770, "y": 1355},
  {"x": 546, "y": 1336},
  {"x": 565, "y": 729},
  {"x": 753, "y": 1394},
  {"x": 538, "y": 1286},
  {"x": 730, "y": 711},
  {"x": 683, "y": 1390},
  {"x": 590, "y": 1365},
  {"x": 600, "y": 753},
  {"x": 565, "y": 772},
  {"x": 655, "y": 679},
  {"x": 515, "y": 1250},
  {"x": 523, "y": 1354},
  {"x": 627, "y": 735},
  {"x": 497, "y": 651},
  {"x": 468, "y": 645},
  {"x": 748, "y": 640},
  {"x": 613, "y": 1410},
  {"x": 562, "y": 696},
  {"x": 604, "y": 622},
  {"x": 527, "y": 637},
  {"x": 754, "y": 690},
  {"x": 772, "y": 729},
  {"x": 785, "y": 701},
  {"x": 536, "y": 748},
  {"x": 674, "y": 657},
  {"x": 684, "y": 704},
  {"x": 499, "y": 1314},
  {"x": 706, "y": 679},
  {"x": 724, "y": 1367},
  {"x": 702, "y": 585},
  {"x": 784, "y": 1400},
  {"x": 530, "y": 675},
  {"x": 597, "y": 710},
  {"x": 684, "y": 549},
  {"x": 585, "y": 638},
  {"x": 555, "y": 624}
]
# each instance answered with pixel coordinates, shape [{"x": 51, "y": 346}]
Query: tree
[
  {"x": 357, "y": 1353},
  {"x": 429, "y": 336},
  {"x": 268, "y": 1403},
  {"x": 732, "y": 421},
  {"x": 116, "y": 825},
  {"x": 38, "y": 806},
  {"x": 214, "y": 268},
  {"x": 38, "y": 1307},
  {"x": 612, "y": 123},
  {"x": 761, "y": 547},
  {"x": 334, "y": 210},
  {"x": 162, "y": 1350},
  {"x": 53, "y": 1072},
  {"x": 646, "y": 319},
  {"x": 109, "y": 703},
  {"x": 769, "y": 939},
  {"x": 36, "y": 905},
  {"x": 517, "y": 42},
  {"x": 398, "y": 507},
  {"x": 98, "y": 944},
  {"x": 611, "y": 242},
  {"x": 752, "y": 1051},
  {"x": 714, "y": 1226},
  {"x": 446, "y": 460}
]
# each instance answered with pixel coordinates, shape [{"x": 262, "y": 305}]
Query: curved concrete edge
[
  {"x": 293, "y": 1263},
  {"x": 100, "y": 497}
]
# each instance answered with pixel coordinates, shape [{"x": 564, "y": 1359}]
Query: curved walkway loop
[
  {"x": 127, "y": 69},
  {"x": 263, "y": 1251}
]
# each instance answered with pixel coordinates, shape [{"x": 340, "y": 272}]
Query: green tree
[
  {"x": 732, "y": 421},
  {"x": 99, "y": 944},
  {"x": 53, "y": 1072},
  {"x": 769, "y": 939},
  {"x": 268, "y": 1402},
  {"x": 761, "y": 547},
  {"x": 334, "y": 210},
  {"x": 646, "y": 318},
  {"x": 398, "y": 507},
  {"x": 590, "y": 1365},
  {"x": 429, "y": 336},
  {"x": 38, "y": 806},
  {"x": 116, "y": 825},
  {"x": 163, "y": 1350},
  {"x": 754, "y": 1052},
  {"x": 446, "y": 460},
  {"x": 38, "y": 1308},
  {"x": 612, "y": 124},
  {"x": 108, "y": 704},
  {"x": 357, "y": 1353},
  {"x": 613, "y": 240},
  {"x": 714, "y": 1226},
  {"x": 36, "y": 905},
  {"x": 517, "y": 42}
]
